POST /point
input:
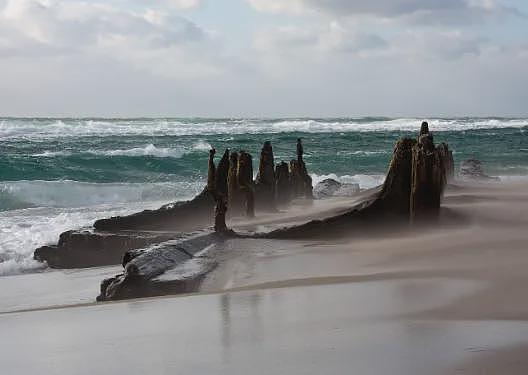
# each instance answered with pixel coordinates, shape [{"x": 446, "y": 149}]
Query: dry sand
[{"x": 442, "y": 299}]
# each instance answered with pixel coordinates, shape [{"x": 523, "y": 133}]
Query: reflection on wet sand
[{"x": 334, "y": 328}]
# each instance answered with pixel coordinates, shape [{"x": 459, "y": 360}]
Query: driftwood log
[{"x": 146, "y": 271}]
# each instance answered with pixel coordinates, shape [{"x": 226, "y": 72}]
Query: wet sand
[{"x": 448, "y": 299}]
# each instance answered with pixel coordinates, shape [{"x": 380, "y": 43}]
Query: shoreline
[
  {"x": 438, "y": 300},
  {"x": 218, "y": 281}
]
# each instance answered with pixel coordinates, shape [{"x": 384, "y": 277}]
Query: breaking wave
[
  {"x": 59, "y": 128},
  {"x": 30, "y": 194},
  {"x": 25, "y": 230},
  {"x": 35, "y": 213},
  {"x": 148, "y": 150}
]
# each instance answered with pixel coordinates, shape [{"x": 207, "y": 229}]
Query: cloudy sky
[{"x": 263, "y": 57}]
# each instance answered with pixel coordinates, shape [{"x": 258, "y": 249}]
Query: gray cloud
[
  {"x": 424, "y": 11},
  {"x": 326, "y": 39}
]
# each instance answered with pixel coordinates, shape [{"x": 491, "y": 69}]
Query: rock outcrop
[
  {"x": 471, "y": 169},
  {"x": 332, "y": 188}
]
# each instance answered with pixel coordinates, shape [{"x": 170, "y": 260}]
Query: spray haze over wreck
[{"x": 155, "y": 243}]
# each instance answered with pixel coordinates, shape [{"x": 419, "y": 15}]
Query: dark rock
[
  {"x": 332, "y": 188},
  {"x": 347, "y": 190},
  {"x": 471, "y": 169},
  {"x": 326, "y": 188}
]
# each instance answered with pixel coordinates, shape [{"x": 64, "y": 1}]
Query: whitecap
[
  {"x": 48, "y": 208},
  {"x": 364, "y": 153},
  {"x": 67, "y": 193},
  {"x": 22, "y": 231},
  {"x": 202, "y": 146},
  {"x": 45, "y": 129},
  {"x": 148, "y": 150}
]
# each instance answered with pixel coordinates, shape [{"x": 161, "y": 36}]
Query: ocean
[{"x": 61, "y": 174}]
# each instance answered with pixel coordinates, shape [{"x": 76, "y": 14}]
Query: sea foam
[
  {"x": 22, "y": 231},
  {"x": 60, "y": 128},
  {"x": 66, "y": 193},
  {"x": 147, "y": 150}
]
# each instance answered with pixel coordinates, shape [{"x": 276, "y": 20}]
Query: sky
[{"x": 263, "y": 58}]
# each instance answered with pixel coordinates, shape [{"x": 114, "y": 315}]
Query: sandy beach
[
  {"x": 297, "y": 187},
  {"x": 446, "y": 298}
]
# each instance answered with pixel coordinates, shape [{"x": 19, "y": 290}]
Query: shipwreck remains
[
  {"x": 245, "y": 182},
  {"x": 217, "y": 185},
  {"x": 157, "y": 248},
  {"x": 230, "y": 192},
  {"x": 413, "y": 190},
  {"x": 265, "y": 181}
]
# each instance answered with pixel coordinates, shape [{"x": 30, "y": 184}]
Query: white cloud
[
  {"x": 175, "y": 4},
  {"x": 147, "y": 39},
  {"x": 183, "y": 4},
  {"x": 278, "y": 6},
  {"x": 78, "y": 24}
]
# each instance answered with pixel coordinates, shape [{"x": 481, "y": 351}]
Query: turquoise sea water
[{"x": 59, "y": 174}]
